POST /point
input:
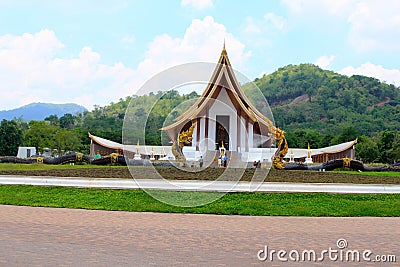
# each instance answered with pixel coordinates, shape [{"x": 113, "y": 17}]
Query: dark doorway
[{"x": 222, "y": 131}]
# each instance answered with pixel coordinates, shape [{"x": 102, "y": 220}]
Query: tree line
[
  {"x": 42, "y": 135},
  {"x": 70, "y": 134}
]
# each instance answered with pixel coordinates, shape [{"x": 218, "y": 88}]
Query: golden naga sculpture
[
  {"x": 183, "y": 138},
  {"x": 277, "y": 159}
]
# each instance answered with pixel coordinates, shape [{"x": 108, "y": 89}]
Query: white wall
[
  {"x": 194, "y": 136},
  {"x": 223, "y": 106},
  {"x": 250, "y": 135},
  {"x": 23, "y": 152}
]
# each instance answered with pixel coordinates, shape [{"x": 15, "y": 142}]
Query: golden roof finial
[
  {"x": 137, "y": 148},
  {"x": 223, "y": 49},
  {"x": 222, "y": 146}
]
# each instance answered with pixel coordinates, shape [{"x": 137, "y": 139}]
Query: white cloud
[
  {"x": 30, "y": 69},
  {"x": 277, "y": 22},
  {"x": 128, "y": 39},
  {"x": 202, "y": 41},
  {"x": 307, "y": 7},
  {"x": 375, "y": 25},
  {"x": 197, "y": 4},
  {"x": 268, "y": 24},
  {"x": 324, "y": 61},
  {"x": 251, "y": 26},
  {"x": 372, "y": 70},
  {"x": 128, "y": 42}
]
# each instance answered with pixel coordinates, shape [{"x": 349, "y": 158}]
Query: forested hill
[{"x": 308, "y": 97}]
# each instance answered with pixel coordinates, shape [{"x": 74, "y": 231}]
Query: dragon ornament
[
  {"x": 185, "y": 137},
  {"x": 277, "y": 159}
]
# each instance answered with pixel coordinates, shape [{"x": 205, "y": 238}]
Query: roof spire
[{"x": 223, "y": 49}]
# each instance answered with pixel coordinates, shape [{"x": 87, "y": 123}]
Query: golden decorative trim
[
  {"x": 346, "y": 162},
  {"x": 79, "y": 157},
  {"x": 114, "y": 157}
]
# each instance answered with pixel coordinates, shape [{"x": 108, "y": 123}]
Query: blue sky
[{"x": 93, "y": 52}]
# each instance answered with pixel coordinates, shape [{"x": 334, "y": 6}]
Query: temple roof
[
  {"x": 223, "y": 78},
  {"x": 143, "y": 149},
  {"x": 104, "y": 142},
  {"x": 302, "y": 152},
  {"x": 165, "y": 150}
]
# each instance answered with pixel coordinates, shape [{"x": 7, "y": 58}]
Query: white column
[
  {"x": 250, "y": 135},
  {"x": 194, "y": 135},
  {"x": 243, "y": 134},
  {"x": 202, "y": 129},
  {"x": 211, "y": 131},
  {"x": 232, "y": 132}
]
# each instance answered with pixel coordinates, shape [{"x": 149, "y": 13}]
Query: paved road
[
  {"x": 219, "y": 186},
  {"x": 65, "y": 237}
]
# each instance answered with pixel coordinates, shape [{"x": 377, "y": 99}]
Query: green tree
[
  {"x": 348, "y": 134},
  {"x": 52, "y": 119},
  {"x": 40, "y": 135},
  {"x": 22, "y": 123},
  {"x": 388, "y": 145},
  {"x": 67, "y": 121},
  {"x": 84, "y": 141},
  {"x": 396, "y": 149},
  {"x": 66, "y": 140},
  {"x": 367, "y": 149},
  {"x": 10, "y": 138}
]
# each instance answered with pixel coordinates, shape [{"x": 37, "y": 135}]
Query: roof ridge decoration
[{"x": 222, "y": 70}]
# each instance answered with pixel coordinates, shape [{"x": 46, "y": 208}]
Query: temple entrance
[{"x": 222, "y": 132}]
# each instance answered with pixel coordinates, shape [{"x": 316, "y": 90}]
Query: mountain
[
  {"x": 39, "y": 111},
  {"x": 307, "y": 97}
]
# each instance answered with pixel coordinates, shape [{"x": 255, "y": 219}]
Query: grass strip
[{"x": 264, "y": 204}]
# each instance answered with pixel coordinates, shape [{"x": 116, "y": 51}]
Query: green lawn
[{"x": 274, "y": 204}]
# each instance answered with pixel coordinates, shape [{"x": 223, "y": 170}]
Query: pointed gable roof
[{"x": 223, "y": 78}]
